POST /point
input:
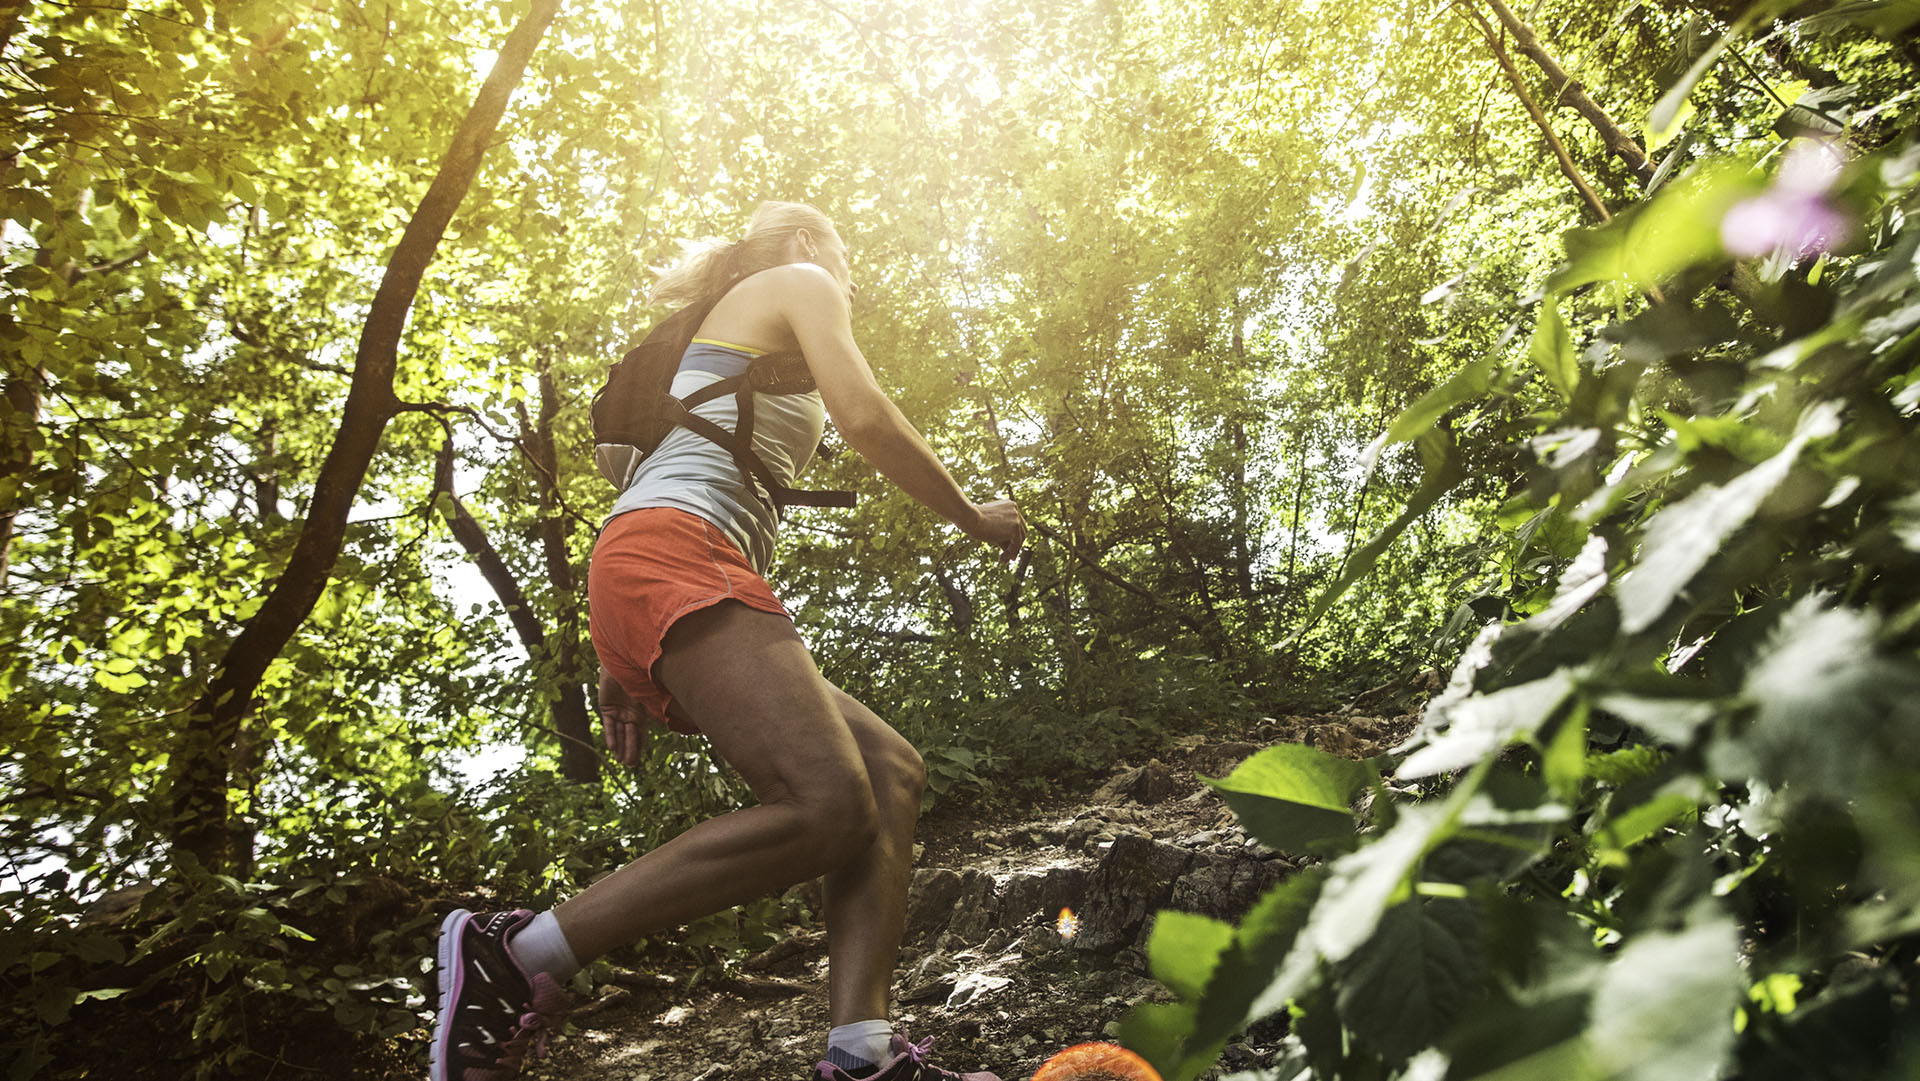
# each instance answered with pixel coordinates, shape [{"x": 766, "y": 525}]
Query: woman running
[{"x": 690, "y": 635}]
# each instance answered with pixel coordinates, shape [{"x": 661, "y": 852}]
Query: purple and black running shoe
[
  {"x": 493, "y": 1015},
  {"x": 908, "y": 1062}
]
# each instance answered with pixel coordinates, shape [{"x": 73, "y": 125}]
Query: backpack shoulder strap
[{"x": 783, "y": 372}]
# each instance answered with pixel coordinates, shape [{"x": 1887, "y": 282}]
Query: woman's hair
[{"x": 709, "y": 265}]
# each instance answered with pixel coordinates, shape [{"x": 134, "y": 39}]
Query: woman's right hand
[
  {"x": 998, "y": 523},
  {"x": 622, "y": 721}
]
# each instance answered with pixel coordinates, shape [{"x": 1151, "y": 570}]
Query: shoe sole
[{"x": 445, "y": 955}]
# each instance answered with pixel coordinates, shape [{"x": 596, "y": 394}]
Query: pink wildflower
[{"x": 1794, "y": 216}]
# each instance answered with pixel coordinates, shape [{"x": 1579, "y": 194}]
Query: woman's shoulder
[
  {"x": 760, "y": 310},
  {"x": 803, "y": 279}
]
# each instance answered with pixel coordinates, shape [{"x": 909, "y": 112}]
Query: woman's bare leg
[
  {"x": 744, "y": 677},
  {"x": 866, "y": 898}
]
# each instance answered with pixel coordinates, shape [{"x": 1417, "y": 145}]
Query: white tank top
[{"x": 689, "y": 472}]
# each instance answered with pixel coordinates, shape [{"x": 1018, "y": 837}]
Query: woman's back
[{"x": 690, "y": 472}]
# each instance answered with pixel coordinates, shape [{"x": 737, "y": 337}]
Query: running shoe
[
  {"x": 908, "y": 1063},
  {"x": 493, "y": 1015}
]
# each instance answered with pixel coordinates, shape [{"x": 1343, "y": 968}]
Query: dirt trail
[{"x": 986, "y": 970}]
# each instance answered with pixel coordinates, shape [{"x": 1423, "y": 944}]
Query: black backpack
[{"x": 635, "y": 410}]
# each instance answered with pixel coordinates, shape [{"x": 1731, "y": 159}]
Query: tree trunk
[
  {"x": 16, "y": 454},
  {"x": 200, "y": 767},
  {"x": 499, "y": 577},
  {"x": 1237, "y": 489},
  {"x": 571, "y": 718}
]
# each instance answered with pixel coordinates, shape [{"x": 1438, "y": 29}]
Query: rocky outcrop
[{"x": 1155, "y": 838}]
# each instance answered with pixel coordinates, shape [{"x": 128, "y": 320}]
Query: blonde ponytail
[{"x": 706, "y": 267}]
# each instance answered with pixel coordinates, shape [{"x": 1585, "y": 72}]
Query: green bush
[{"x": 1663, "y": 823}]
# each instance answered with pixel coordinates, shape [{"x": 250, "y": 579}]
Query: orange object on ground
[
  {"x": 650, "y": 567},
  {"x": 1096, "y": 1062}
]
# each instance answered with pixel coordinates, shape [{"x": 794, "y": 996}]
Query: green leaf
[
  {"x": 1829, "y": 709},
  {"x": 1482, "y": 724},
  {"x": 1674, "y": 720},
  {"x": 1681, "y": 538},
  {"x": 1362, "y": 885},
  {"x": 1160, "y": 1033},
  {"x": 1468, "y": 383},
  {"x": 52, "y": 1002},
  {"x": 1551, "y": 349},
  {"x": 1658, "y": 138},
  {"x": 1680, "y": 228},
  {"x": 1582, "y": 581},
  {"x": 1293, "y": 795},
  {"x": 1643, "y": 821},
  {"x": 1887, "y": 18},
  {"x": 1247, "y": 983},
  {"x": 26, "y": 204},
  {"x": 1564, "y": 763},
  {"x": 1422, "y": 967},
  {"x": 1184, "y": 948},
  {"x": 1663, "y": 1010}
]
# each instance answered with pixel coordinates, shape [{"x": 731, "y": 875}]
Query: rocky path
[{"x": 987, "y": 969}]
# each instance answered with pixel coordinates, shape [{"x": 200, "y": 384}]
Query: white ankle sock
[
  {"x": 541, "y": 947},
  {"x": 859, "y": 1046}
]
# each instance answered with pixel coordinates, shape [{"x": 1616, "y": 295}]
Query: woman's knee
[
  {"x": 841, "y": 818},
  {"x": 910, "y": 772},
  {"x": 892, "y": 761}
]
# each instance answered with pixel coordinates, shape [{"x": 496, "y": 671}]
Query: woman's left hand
[{"x": 1000, "y": 524}]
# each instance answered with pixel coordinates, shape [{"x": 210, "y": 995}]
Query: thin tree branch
[
  {"x": 1624, "y": 146},
  {"x": 1565, "y": 160},
  {"x": 494, "y": 569}
]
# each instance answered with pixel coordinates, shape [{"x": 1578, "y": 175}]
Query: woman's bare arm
[{"x": 815, "y": 308}]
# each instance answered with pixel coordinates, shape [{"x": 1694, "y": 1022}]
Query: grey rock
[
  {"x": 1135, "y": 878},
  {"x": 1043, "y": 895},
  {"x": 973, "y": 987},
  {"x": 976, "y": 908},
  {"x": 1154, "y": 782},
  {"x": 1225, "y": 887},
  {"x": 931, "y": 897}
]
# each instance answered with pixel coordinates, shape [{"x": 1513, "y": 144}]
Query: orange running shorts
[{"x": 650, "y": 567}]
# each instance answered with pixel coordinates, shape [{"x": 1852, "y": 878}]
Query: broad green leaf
[
  {"x": 1829, "y": 709},
  {"x": 1468, "y": 383},
  {"x": 1364, "y": 884},
  {"x": 1639, "y": 823},
  {"x": 1582, "y": 581},
  {"x": 1551, "y": 349},
  {"x": 1292, "y": 795},
  {"x": 1682, "y": 537},
  {"x": 1658, "y": 138},
  {"x": 1422, "y": 967},
  {"x": 1563, "y": 764},
  {"x": 1161, "y": 1033},
  {"x": 1184, "y": 948},
  {"x": 1663, "y": 1011},
  {"x": 1646, "y": 246},
  {"x": 1247, "y": 983},
  {"x": 1887, "y": 18},
  {"x": 1674, "y": 720},
  {"x": 1481, "y": 725}
]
